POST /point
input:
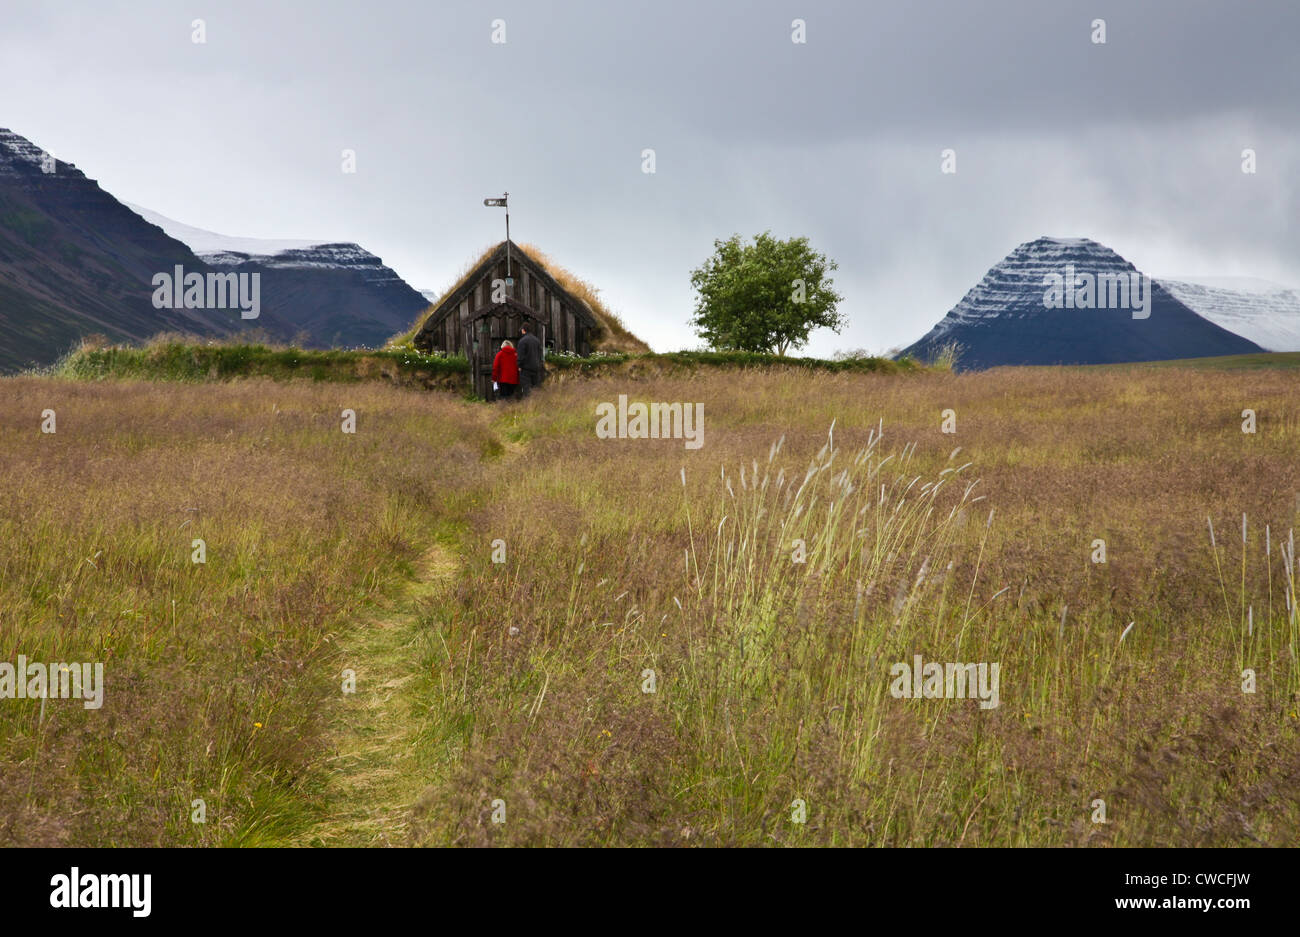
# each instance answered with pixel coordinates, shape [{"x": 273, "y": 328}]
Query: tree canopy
[{"x": 767, "y": 296}]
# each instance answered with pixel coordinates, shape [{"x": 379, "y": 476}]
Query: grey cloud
[{"x": 1135, "y": 143}]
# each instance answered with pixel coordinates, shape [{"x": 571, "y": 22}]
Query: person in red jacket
[{"x": 505, "y": 370}]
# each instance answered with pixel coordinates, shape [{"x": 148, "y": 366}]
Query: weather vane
[{"x": 503, "y": 202}]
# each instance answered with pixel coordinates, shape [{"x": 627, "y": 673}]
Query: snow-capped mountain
[
  {"x": 74, "y": 261},
  {"x": 1072, "y": 301},
  {"x": 21, "y": 157},
  {"x": 206, "y": 243},
  {"x": 336, "y": 293},
  {"x": 224, "y": 250},
  {"x": 1266, "y": 313}
]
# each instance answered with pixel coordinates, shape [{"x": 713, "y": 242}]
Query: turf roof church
[{"x": 492, "y": 302}]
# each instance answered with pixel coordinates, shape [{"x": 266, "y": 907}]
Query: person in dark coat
[
  {"x": 505, "y": 370},
  {"x": 530, "y": 360}
]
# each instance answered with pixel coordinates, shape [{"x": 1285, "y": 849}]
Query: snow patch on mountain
[
  {"x": 222, "y": 250},
  {"x": 1236, "y": 284},
  {"x": 209, "y": 242},
  {"x": 18, "y": 154},
  {"x": 1266, "y": 313},
  {"x": 1014, "y": 287}
]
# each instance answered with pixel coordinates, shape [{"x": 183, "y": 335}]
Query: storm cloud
[{"x": 1135, "y": 143}]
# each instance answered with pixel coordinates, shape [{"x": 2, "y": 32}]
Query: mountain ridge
[
  {"x": 74, "y": 260},
  {"x": 1266, "y": 313},
  {"x": 1006, "y": 318}
]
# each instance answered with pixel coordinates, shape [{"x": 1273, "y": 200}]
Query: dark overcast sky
[{"x": 1135, "y": 143}]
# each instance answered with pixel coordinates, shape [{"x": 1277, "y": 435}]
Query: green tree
[{"x": 767, "y": 296}]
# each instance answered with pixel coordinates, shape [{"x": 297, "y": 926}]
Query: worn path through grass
[{"x": 373, "y": 772}]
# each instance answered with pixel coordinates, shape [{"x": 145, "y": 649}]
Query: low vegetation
[
  {"x": 185, "y": 359},
  {"x": 218, "y": 674},
  {"x": 180, "y": 359},
  {"x": 693, "y": 361},
  {"x": 623, "y": 647},
  {"x": 1269, "y": 359}
]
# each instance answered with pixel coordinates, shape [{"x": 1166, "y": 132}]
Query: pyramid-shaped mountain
[{"x": 1072, "y": 301}]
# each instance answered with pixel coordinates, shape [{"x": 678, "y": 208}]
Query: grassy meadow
[{"x": 516, "y": 691}]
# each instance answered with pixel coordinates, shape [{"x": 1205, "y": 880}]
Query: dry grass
[
  {"x": 304, "y": 527},
  {"x": 523, "y": 680},
  {"x": 552, "y": 719}
]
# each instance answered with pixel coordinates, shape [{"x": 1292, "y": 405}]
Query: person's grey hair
[{"x": 507, "y": 344}]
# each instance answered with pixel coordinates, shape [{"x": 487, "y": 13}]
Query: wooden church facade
[{"x": 476, "y": 317}]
